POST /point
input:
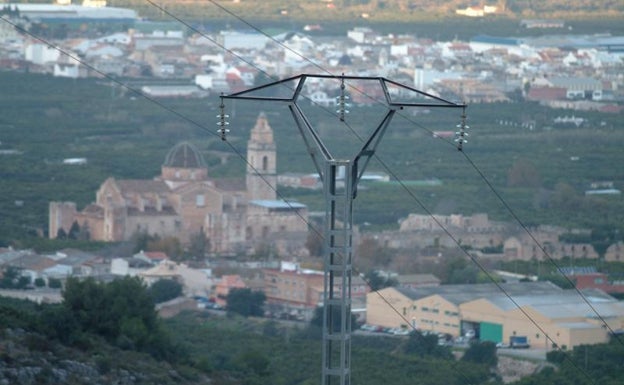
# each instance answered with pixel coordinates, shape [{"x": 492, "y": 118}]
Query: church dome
[{"x": 184, "y": 155}]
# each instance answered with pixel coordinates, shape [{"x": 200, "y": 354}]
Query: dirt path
[{"x": 512, "y": 369}]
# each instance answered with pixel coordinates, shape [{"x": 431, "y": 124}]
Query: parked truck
[{"x": 518, "y": 342}]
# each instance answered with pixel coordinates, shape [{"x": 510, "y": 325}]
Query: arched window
[{"x": 265, "y": 163}]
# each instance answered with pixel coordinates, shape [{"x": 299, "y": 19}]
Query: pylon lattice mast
[{"x": 338, "y": 227}]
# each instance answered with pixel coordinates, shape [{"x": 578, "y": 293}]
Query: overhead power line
[
  {"x": 461, "y": 140},
  {"x": 244, "y": 158}
]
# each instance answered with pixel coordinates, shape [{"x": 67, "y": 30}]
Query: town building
[
  {"x": 542, "y": 23},
  {"x": 501, "y": 240},
  {"x": 412, "y": 281},
  {"x": 293, "y": 292},
  {"x": 543, "y": 243},
  {"x": 90, "y": 11},
  {"x": 615, "y": 252},
  {"x": 194, "y": 282},
  {"x": 236, "y": 217},
  {"x": 223, "y": 286},
  {"x": 420, "y": 230},
  {"x": 588, "y": 277}
]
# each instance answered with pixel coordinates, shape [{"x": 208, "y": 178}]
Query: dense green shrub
[
  {"x": 165, "y": 289},
  {"x": 246, "y": 302},
  {"x": 481, "y": 353}
]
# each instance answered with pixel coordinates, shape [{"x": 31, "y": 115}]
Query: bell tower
[{"x": 261, "y": 179}]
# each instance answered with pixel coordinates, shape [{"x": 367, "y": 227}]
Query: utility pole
[{"x": 338, "y": 228}]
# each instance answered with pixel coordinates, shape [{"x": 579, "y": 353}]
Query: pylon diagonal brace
[
  {"x": 442, "y": 102},
  {"x": 368, "y": 149},
  {"x": 304, "y": 125},
  {"x": 248, "y": 93}
]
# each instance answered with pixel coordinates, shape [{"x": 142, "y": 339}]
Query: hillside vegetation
[
  {"x": 51, "y": 344},
  {"x": 424, "y": 18},
  {"x": 378, "y": 9}
]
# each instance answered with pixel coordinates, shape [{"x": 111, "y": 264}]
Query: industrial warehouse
[
  {"x": 65, "y": 12},
  {"x": 548, "y": 316}
]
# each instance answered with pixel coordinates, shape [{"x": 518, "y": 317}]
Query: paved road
[
  {"x": 532, "y": 353},
  {"x": 37, "y": 295}
]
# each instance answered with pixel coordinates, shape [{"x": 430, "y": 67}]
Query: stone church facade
[{"x": 237, "y": 217}]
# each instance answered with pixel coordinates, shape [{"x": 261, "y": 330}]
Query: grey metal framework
[{"x": 338, "y": 229}]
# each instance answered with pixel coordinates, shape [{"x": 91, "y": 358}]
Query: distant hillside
[{"x": 380, "y": 10}]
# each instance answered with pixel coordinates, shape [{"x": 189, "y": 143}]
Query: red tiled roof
[
  {"x": 546, "y": 93},
  {"x": 230, "y": 184},
  {"x": 231, "y": 281},
  {"x": 612, "y": 108},
  {"x": 93, "y": 209},
  {"x": 33, "y": 262},
  {"x": 142, "y": 186},
  {"x": 156, "y": 255}
]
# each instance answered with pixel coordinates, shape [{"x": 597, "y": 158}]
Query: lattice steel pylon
[{"x": 338, "y": 227}]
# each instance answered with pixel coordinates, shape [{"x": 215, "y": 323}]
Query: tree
[
  {"x": 271, "y": 329},
  {"x": 600, "y": 364},
  {"x": 602, "y": 238},
  {"x": 9, "y": 277},
  {"x": 556, "y": 356},
  {"x": 77, "y": 232},
  {"x": 317, "y": 319},
  {"x": 199, "y": 245},
  {"x": 262, "y": 252},
  {"x": 58, "y": 323},
  {"x": 565, "y": 198},
  {"x": 468, "y": 274},
  {"x": 377, "y": 282},
  {"x": 61, "y": 234},
  {"x": 314, "y": 242},
  {"x": 74, "y": 231},
  {"x": 246, "y": 302},
  {"x": 54, "y": 283},
  {"x": 458, "y": 270},
  {"x": 523, "y": 173},
  {"x": 558, "y": 279},
  {"x": 425, "y": 345},
  {"x": 141, "y": 240},
  {"x": 253, "y": 362},
  {"x": 121, "y": 311},
  {"x": 481, "y": 353},
  {"x": 169, "y": 245},
  {"x": 165, "y": 289},
  {"x": 12, "y": 279},
  {"x": 371, "y": 255}
]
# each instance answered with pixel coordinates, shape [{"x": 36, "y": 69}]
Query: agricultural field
[{"x": 538, "y": 175}]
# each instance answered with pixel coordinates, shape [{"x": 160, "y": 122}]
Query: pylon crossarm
[
  {"x": 443, "y": 102},
  {"x": 248, "y": 93}
]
